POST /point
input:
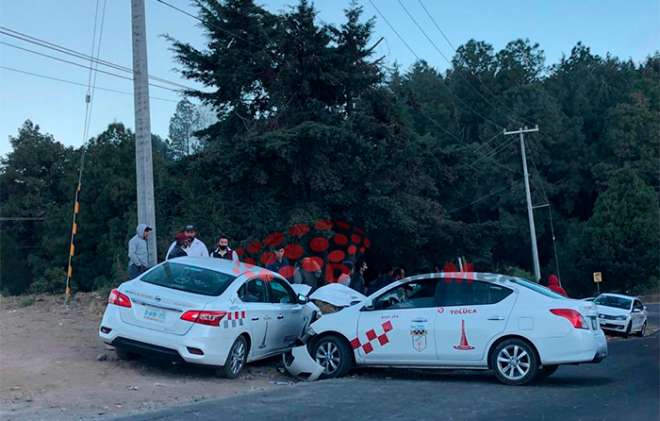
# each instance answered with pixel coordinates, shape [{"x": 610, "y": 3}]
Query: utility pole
[
  {"x": 144, "y": 171},
  {"x": 530, "y": 210}
]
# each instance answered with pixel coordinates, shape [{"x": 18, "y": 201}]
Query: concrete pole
[
  {"x": 143, "y": 154},
  {"x": 530, "y": 209}
]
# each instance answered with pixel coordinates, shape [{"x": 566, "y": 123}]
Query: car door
[
  {"x": 470, "y": 314},
  {"x": 637, "y": 315},
  {"x": 254, "y": 295},
  {"x": 289, "y": 320},
  {"x": 397, "y": 328}
]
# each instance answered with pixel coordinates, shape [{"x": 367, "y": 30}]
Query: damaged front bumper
[{"x": 301, "y": 365}]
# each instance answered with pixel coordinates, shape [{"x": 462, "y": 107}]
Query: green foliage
[{"x": 311, "y": 125}]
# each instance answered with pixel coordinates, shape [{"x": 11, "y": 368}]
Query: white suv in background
[{"x": 621, "y": 313}]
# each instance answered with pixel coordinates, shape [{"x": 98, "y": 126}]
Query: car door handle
[
  {"x": 255, "y": 319},
  {"x": 280, "y": 317},
  {"x": 419, "y": 321},
  {"x": 496, "y": 318}
]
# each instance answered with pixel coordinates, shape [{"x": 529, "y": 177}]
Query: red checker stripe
[
  {"x": 382, "y": 339},
  {"x": 355, "y": 343},
  {"x": 387, "y": 326},
  {"x": 367, "y": 348},
  {"x": 371, "y": 334}
]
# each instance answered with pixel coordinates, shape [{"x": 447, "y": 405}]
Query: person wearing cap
[
  {"x": 138, "y": 251},
  {"x": 196, "y": 248},
  {"x": 223, "y": 251},
  {"x": 181, "y": 247}
]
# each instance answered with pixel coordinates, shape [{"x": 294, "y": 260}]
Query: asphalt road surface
[{"x": 626, "y": 385}]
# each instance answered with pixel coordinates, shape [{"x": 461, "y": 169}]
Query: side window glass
[
  {"x": 253, "y": 291},
  {"x": 638, "y": 305},
  {"x": 466, "y": 292},
  {"x": 281, "y": 293},
  {"x": 414, "y": 294}
]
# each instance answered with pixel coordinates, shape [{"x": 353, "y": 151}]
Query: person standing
[
  {"x": 223, "y": 251},
  {"x": 138, "y": 251},
  {"x": 308, "y": 272},
  {"x": 196, "y": 248},
  {"x": 181, "y": 247},
  {"x": 555, "y": 285},
  {"x": 357, "y": 279},
  {"x": 280, "y": 262},
  {"x": 345, "y": 277}
]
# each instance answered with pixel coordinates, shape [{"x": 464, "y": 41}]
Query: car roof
[
  {"x": 219, "y": 265},
  {"x": 630, "y": 297},
  {"x": 477, "y": 276}
]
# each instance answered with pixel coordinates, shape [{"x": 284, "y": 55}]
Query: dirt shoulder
[{"x": 53, "y": 366}]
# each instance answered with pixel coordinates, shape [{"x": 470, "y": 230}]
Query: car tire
[
  {"x": 546, "y": 371},
  {"x": 124, "y": 354},
  {"x": 514, "y": 362},
  {"x": 235, "y": 359},
  {"x": 334, "y": 354},
  {"x": 642, "y": 331},
  {"x": 627, "y": 332}
]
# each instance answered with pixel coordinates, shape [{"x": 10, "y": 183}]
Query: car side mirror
[
  {"x": 368, "y": 306},
  {"x": 302, "y": 299},
  {"x": 636, "y": 310},
  {"x": 644, "y": 308}
]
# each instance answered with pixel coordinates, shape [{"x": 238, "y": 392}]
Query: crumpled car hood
[{"x": 338, "y": 295}]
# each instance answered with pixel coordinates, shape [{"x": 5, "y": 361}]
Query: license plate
[{"x": 155, "y": 315}]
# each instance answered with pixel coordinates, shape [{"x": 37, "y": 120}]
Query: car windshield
[
  {"x": 189, "y": 278},
  {"x": 612, "y": 301},
  {"x": 538, "y": 288}
]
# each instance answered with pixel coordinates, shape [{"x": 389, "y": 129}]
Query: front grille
[
  {"x": 147, "y": 350},
  {"x": 607, "y": 317}
]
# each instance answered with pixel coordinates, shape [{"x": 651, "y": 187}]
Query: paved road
[
  {"x": 624, "y": 386},
  {"x": 653, "y": 312}
]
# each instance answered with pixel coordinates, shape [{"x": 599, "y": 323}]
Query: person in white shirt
[{"x": 196, "y": 247}]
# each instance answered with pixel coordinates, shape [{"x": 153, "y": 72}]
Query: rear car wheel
[
  {"x": 334, "y": 355},
  {"x": 514, "y": 362},
  {"x": 642, "y": 330},
  {"x": 236, "y": 359},
  {"x": 546, "y": 371}
]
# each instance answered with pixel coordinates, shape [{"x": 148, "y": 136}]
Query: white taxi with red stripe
[
  {"x": 516, "y": 328},
  {"x": 205, "y": 311}
]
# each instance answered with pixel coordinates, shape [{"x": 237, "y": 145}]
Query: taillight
[
  {"x": 572, "y": 316},
  {"x": 119, "y": 299},
  {"x": 204, "y": 317}
]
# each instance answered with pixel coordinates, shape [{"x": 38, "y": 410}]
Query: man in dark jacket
[
  {"x": 357, "y": 279},
  {"x": 223, "y": 251},
  {"x": 280, "y": 262},
  {"x": 181, "y": 247}
]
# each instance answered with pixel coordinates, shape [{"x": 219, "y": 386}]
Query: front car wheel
[
  {"x": 334, "y": 355},
  {"x": 514, "y": 362}
]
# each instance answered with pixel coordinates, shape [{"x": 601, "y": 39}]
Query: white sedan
[
  {"x": 516, "y": 328},
  {"x": 621, "y": 313},
  {"x": 204, "y": 311}
]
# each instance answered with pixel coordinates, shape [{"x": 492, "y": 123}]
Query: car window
[
  {"x": 613, "y": 301},
  {"x": 538, "y": 288},
  {"x": 467, "y": 292},
  {"x": 188, "y": 278},
  {"x": 638, "y": 305},
  {"x": 281, "y": 293},
  {"x": 253, "y": 291},
  {"x": 414, "y": 294}
]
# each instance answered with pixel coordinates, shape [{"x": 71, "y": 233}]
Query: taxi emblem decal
[
  {"x": 463, "y": 344},
  {"x": 418, "y": 335}
]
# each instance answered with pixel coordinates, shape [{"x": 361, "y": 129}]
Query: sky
[{"x": 626, "y": 29}]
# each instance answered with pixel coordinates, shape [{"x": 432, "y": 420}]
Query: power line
[
  {"x": 435, "y": 46},
  {"x": 451, "y": 45},
  {"x": 80, "y": 65},
  {"x": 64, "y": 50},
  {"x": 480, "y": 199},
  {"x": 71, "y": 82}
]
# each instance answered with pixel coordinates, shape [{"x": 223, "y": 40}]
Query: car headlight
[{"x": 620, "y": 317}]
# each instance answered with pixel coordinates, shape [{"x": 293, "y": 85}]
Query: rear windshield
[
  {"x": 538, "y": 288},
  {"x": 612, "y": 301},
  {"x": 189, "y": 278}
]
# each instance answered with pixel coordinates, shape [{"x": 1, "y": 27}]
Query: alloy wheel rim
[
  {"x": 237, "y": 357},
  {"x": 327, "y": 355},
  {"x": 513, "y": 362}
]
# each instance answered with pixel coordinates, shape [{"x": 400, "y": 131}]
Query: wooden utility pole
[
  {"x": 143, "y": 154},
  {"x": 530, "y": 210}
]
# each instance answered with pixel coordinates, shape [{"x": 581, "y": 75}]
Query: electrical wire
[
  {"x": 64, "y": 50},
  {"x": 71, "y": 82}
]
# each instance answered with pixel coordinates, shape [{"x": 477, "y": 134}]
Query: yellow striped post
[{"x": 72, "y": 247}]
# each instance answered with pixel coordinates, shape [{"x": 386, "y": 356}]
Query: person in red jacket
[{"x": 555, "y": 285}]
